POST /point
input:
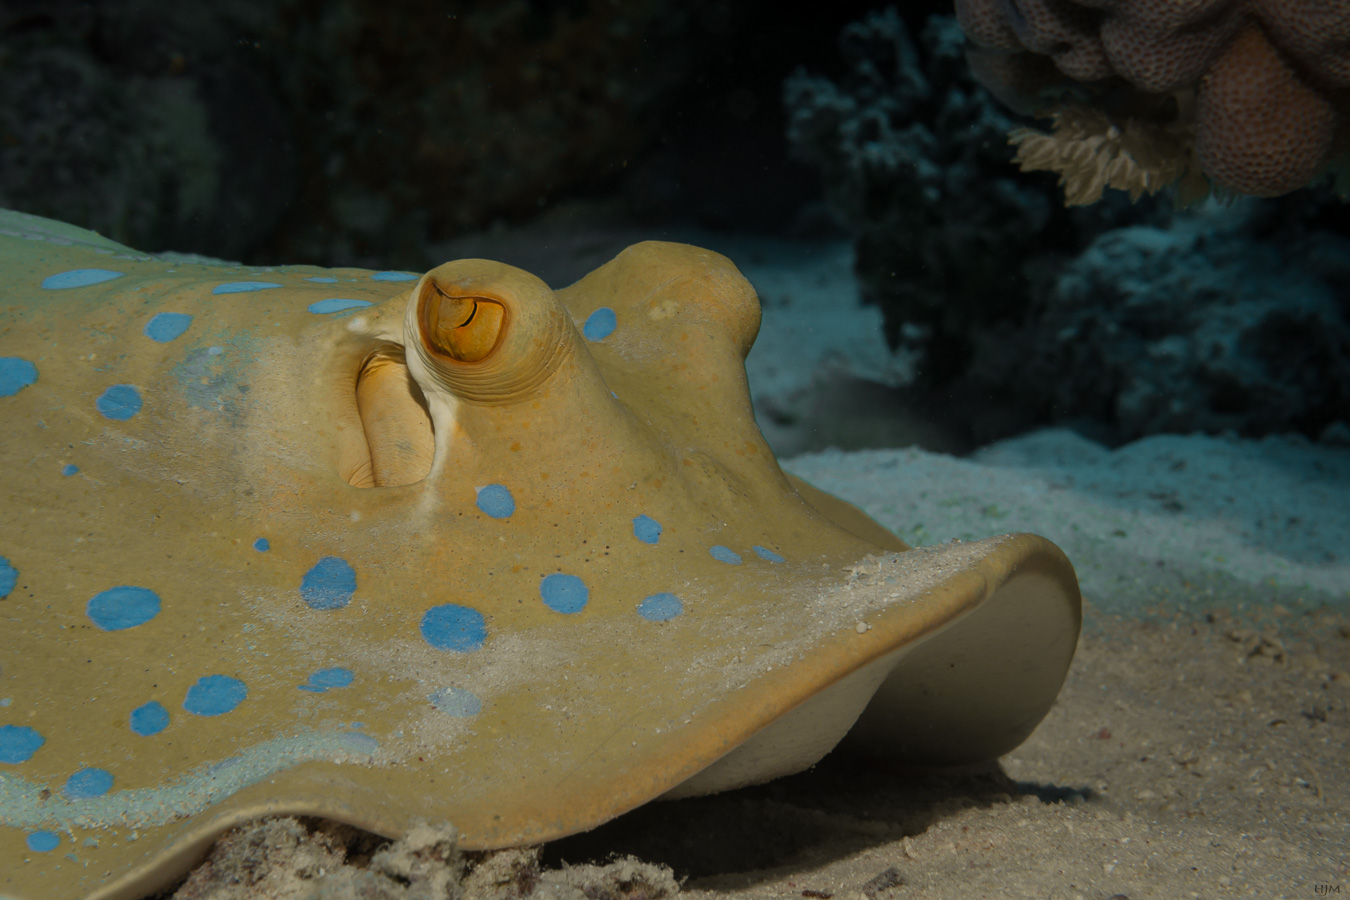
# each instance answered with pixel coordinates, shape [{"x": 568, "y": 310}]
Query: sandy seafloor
[{"x": 1200, "y": 748}]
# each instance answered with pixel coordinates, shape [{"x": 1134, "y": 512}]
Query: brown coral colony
[
  {"x": 1261, "y": 86},
  {"x": 1260, "y": 129}
]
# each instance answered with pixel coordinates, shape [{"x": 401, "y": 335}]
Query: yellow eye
[{"x": 465, "y": 329}]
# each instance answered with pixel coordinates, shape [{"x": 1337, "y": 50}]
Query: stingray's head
[
  {"x": 470, "y": 332},
  {"x": 481, "y": 359}
]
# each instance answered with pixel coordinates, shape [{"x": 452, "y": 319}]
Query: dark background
[{"x": 365, "y": 133}]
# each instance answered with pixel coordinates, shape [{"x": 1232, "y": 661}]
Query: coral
[
  {"x": 313, "y": 859},
  {"x": 1023, "y": 312},
  {"x": 915, "y": 163},
  {"x": 1271, "y": 110},
  {"x": 1260, "y": 129},
  {"x": 1093, "y": 153},
  {"x": 1200, "y": 327}
]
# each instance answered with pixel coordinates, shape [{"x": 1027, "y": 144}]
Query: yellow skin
[{"x": 373, "y": 448}]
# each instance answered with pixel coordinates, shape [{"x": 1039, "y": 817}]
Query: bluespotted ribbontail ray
[{"x": 380, "y": 547}]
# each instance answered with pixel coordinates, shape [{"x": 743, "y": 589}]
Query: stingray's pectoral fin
[
  {"x": 976, "y": 687},
  {"x": 960, "y": 668}
]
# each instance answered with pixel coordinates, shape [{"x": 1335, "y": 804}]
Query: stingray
[{"x": 383, "y": 547}]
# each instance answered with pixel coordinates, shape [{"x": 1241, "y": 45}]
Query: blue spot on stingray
[
  {"x": 646, "y": 529},
  {"x": 262, "y": 545},
  {"x": 88, "y": 783},
  {"x": 660, "y": 607},
  {"x": 395, "y": 276},
  {"x": 43, "y": 841},
  {"x": 76, "y": 278},
  {"x": 456, "y": 702},
  {"x": 336, "y": 304},
  {"x": 355, "y": 742},
  {"x": 18, "y": 743},
  {"x": 69, "y": 469},
  {"x": 564, "y": 593},
  {"x": 215, "y": 695},
  {"x": 599, "y": 324},
  {"x": 123, "y": 607},
  {"x": 243, "y": 287},
  {"x": 329, "y": 585},
  {"x": 149, "y": 718},
  {"x": 496, "y": 501},
  {"x": 453, "y": 627},
  {"x": 9, "y": 576},
  {"x": 766, "y": 553},
  {"x": 121, "y": 401},
  {"x": 325, "y": 679},
  {"x": 164, "y": 327},
  {"x": 321, "y": 279},
  {"x": 15, "y": 375},
  {"x": 725, "y": 554}
]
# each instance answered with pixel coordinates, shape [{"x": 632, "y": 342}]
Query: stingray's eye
[
  {"x": 465, "y": 329},
  {"x": 484, "y": 332}
]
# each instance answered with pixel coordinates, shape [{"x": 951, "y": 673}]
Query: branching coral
[
  {"x": 1270, "y": 79},
  {"x": 915, "y": 165}
]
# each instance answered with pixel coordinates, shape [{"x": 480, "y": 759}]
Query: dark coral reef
[
  {"x": 1250, "y": 95},
  {"x": 915, "y": 159},
  {"x": 1205, "y": 326},
  {"x": 1127, "y": 320}
]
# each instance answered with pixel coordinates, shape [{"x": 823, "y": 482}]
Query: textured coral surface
[{"x": 1271, "y": 77}]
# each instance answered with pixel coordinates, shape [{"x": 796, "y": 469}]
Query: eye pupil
[{"x": 465, "y": 329}]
